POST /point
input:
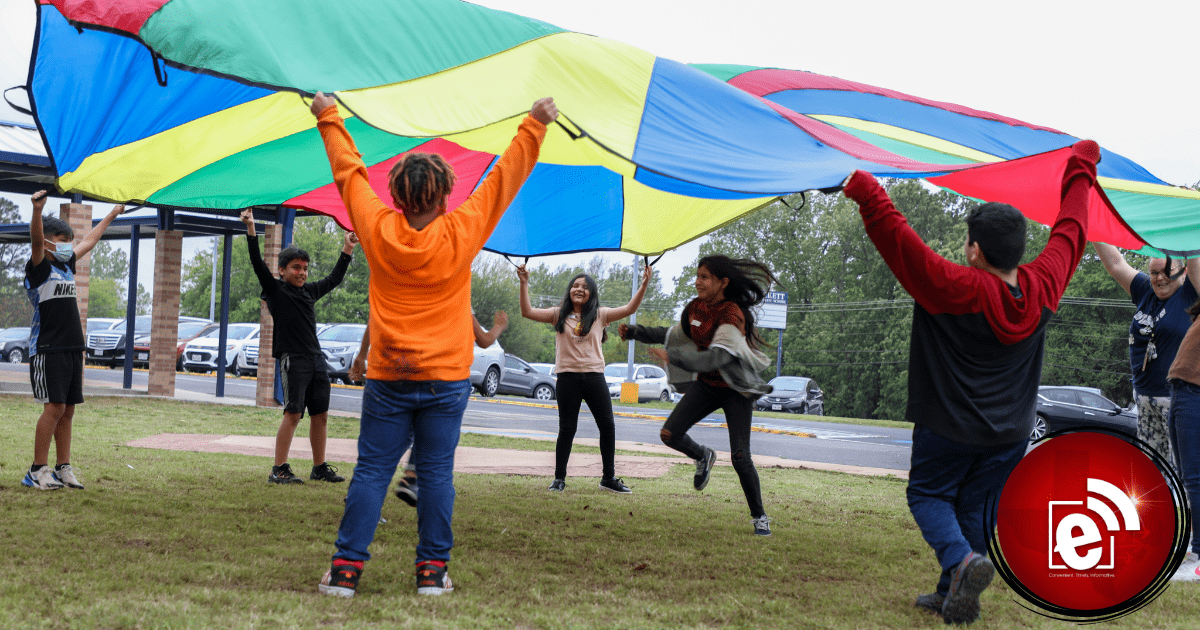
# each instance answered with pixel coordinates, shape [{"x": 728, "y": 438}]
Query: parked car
[
  {"x": 247, "y": 361},
  {"x": 523, "y": 379},
  {"x": 793, "y": 394},
  {"x": 97, "y": 324},
  {"x": 651, "y": 381},
  {"x": 487, "y": 368},
  {"x": 544, "y": 368},
  {"x": 107, "y": 347},
  {"x": 200, "y": 354},
  {"x": 189, "y": 328},
  {"x": 16, "y": 344},
  {"x": 1065, "y": 407},
  {"x": 340, "y": 344}
]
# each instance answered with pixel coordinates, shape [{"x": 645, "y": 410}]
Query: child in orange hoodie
[{"x": 420, "y": 358}]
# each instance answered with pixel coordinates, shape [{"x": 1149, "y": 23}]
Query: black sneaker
[
  {"x": 614, "y": 485},
  {"x": 931, "y": 602},
  {"x": 406, "y": 489},
  {"x": 432, "y": 580},
  {"x": 973, "y": 575},
  {"x": 325, "y": 472},
  {"x": 704, "y": 467},
  {"x": 340, "y": 581},
  {"x": 283, "y": 474},
  {"x": 762, "y": 525},
  {"x": 558, "y": 486}
]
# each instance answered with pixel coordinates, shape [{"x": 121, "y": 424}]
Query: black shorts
[
  {"x": 57, "y": 377},
  {"x": 305, "y": 383}
]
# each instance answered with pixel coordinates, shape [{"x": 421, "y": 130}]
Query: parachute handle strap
[
  {"x": 572, "y": 134},
  {"x": 515, "y": 265},
  {"x": 803, "y": 201},
  {"x": 160, "y": 72},
  {"x": 1182, "y": 269},
  {"x": 14, "y": 105}
]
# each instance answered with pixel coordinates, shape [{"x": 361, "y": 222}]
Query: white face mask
[{"x": 63, "y": 251}]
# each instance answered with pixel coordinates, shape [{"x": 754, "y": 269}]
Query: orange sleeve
[
  {"x": 350, "y": 175},
  {"x": 475, "y": 219}
]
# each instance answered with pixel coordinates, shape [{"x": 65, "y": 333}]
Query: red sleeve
[
  {"x": 937, "y": 284},
  {"x": 1068, "y": 237}
]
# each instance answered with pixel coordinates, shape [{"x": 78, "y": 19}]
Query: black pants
[
  {"x": 701, "y": 400},
  {"x": 574, "y": 388}
]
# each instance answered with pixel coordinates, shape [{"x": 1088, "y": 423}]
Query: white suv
[
  {"x": 487, "y": 368},
  {"x": 651, "y": 381},
  {"x": 200, "y": 354}
]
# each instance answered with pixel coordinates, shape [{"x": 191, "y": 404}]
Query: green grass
[
  {"x": 165, "y": 539},
  {"x": 483, "y": 440}
]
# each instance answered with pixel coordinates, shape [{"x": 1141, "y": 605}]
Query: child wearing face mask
[{"x": 56, "y": 340}]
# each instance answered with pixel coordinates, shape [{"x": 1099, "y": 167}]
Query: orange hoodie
[{"x": 420, "y": 290}]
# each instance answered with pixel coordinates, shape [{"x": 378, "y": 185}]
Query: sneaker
[
  {"x": 432, "y": 579},
  {"x": 973, "y": 575},
  {"x": 42, "y": 479},
  {"x": 762, "y": 525},
  {"x": 615, "y": 485},
  {"x": 66, "y": 476},
  {"x": 283, "y": 474},
  {"x": 340, "y": 580},
  {"x": 406, "y": 489},
  {"x": 558, "y": 486},
  {"x": 1189, "y": 571},
  {"x": 704, "y": 467},
  {"x": 931, "y": 602},
  {"x": 325, "y": 472}
]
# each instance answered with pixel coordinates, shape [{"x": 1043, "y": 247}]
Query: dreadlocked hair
[
  {"x": 749, "y": 281},
  {"x": 420, "y": 182}
]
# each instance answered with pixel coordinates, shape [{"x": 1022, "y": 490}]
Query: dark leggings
[
  {"x": 701, "y": 400},
  {"x": 574, "y": 388}
]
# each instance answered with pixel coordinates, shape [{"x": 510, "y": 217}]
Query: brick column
[
  {"x": 265, "y": 394},
  {"x": 164, "y": 326},
  {"x": 79, "y": 217}
]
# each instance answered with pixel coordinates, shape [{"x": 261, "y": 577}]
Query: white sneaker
[
  {"x": 43, "y": 479},
  {"x": 66, "y": 475},
  {"x": 1189, "y": 571}
]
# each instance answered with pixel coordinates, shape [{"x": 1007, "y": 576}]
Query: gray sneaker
[
  {"x": 973, "y": 575},
  {"x": 704, "y": 467},
  {"x": 558, "y": 486},
  {"x": 66, "y": 475},
  {"x": 931, "y": 602},
  {"x": 762, "y": 525}
]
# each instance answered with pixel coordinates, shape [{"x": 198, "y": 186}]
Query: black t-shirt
[
  {"x": 50, "y": 286},
  {"x": 294, "y": 308}
]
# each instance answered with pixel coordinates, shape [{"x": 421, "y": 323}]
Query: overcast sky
[{"x": 1122, "y": 73}]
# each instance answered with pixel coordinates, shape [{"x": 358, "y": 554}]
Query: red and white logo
[{"x": 1090, "y": 525}]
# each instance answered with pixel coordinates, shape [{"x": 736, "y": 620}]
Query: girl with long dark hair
[
  {"x": 713, "y": 353},
  {"x": 579, "y": 324}
]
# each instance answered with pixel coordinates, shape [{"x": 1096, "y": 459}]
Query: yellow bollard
[{"x": 629, "y": 392}]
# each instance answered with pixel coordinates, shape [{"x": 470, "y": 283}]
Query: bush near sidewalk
[{"x": 166, "y": 539}]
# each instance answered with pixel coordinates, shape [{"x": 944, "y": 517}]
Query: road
[{"x": 847, "y": 444}]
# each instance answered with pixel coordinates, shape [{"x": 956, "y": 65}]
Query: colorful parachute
[{"x": 198, "y": 104}]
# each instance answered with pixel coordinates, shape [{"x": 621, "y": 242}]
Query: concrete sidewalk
[{"x": 467, "y": 459}]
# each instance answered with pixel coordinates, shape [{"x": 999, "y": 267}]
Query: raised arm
[
  {"x": 625, "y": 311},
  {"x": 485, "y": 338},
  {"x": 1193, "y": 273},
  {"x": 265, "y": 279},
  {"x": 335, "y": 277},
  {"x": 544, "y": 315},
  {"x": 37, "y": 239},
  {"x": 93, "y": 236},
  {"x": 1119, "y": 268},
  {"x": 349, "y": 172}
]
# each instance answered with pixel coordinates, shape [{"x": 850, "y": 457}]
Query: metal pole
[
  {"x": 779, "y": 356},
  {"x": 632, "y": 319},
  {"x": 223, "y": 339},
  {"x": 212, "y": 294},
  {"x": 131, "y": 305}
]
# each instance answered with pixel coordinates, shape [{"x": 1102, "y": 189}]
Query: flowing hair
[
  {"x": 748, "y": 284},
  {"x": 419, "y": 182},
  {"x": 587, "y": 314}
]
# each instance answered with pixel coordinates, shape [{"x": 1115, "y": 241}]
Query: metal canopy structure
[{"x": 25, "y": 169}]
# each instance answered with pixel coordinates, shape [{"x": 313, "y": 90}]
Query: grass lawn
[{"x": 165, "y": 539}]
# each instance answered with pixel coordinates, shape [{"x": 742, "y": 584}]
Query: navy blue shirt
[{"x": 1164, "y": 322}]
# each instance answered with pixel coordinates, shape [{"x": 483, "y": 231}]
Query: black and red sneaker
[
  {"x": 432, "y": 578},
  {"x": 341, "y": 580}
]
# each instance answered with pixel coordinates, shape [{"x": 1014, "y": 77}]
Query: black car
[
  {"x": 793, "y": 394},
  {"x": 522, "y": 379},
  {"x": 1066, "y": 407},
  {"x": 16, "y": 344}
]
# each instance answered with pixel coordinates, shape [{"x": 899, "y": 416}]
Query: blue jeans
[
  {"x": 431, "y": 412},
  {"x": 1183, "y": 423},
  {"x": 950, "y": 486}
]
